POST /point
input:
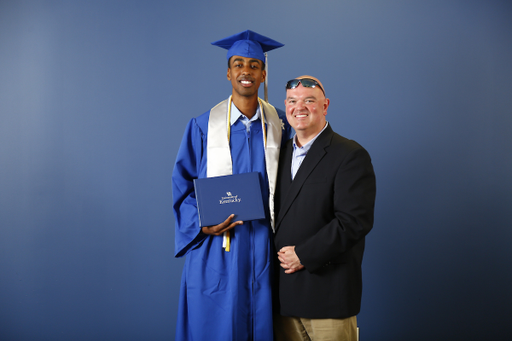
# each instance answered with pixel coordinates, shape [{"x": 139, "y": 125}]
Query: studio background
[{"x": 94, "y": 99}]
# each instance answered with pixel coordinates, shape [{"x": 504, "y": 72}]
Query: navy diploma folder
[{"x": 218, "y": 197}]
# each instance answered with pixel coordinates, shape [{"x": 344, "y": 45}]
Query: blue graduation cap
[{"x": 248, "y": 44}]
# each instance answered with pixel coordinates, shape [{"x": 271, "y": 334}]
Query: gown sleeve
[{"x": 188, "y": 234}]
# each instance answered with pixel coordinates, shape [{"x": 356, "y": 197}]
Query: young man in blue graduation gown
[{"x": 226, "y": 292}]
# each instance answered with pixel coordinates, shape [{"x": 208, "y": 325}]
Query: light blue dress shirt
[
  {"x": 299, "y": 153},
  {"x": 237, "y": 114}
]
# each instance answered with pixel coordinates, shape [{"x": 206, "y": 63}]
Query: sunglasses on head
[{"x": 306, "y": 82}]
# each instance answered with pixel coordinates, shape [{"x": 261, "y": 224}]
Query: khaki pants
[{"x": 302, "y": 329}]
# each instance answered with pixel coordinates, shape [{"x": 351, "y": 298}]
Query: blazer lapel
[{"x": 314, "y": 156}]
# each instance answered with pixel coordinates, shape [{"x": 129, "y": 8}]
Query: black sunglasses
[{"x": 306, "y": 82}]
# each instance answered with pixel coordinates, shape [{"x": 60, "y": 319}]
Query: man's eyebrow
[
  {"x": 309, "y": 97},
  {"x": 250, "y": 61}
]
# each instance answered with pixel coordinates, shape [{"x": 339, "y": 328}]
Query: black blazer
[{"x": 326, "y": 212}]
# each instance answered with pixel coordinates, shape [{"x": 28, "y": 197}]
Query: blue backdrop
[{"x": 94, "y": 98}]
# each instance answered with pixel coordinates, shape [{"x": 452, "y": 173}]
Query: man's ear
[
  {"x": 263, "y": 75},
  {"x": 326, "y": 105}
]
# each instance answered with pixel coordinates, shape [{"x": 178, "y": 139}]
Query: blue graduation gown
[{"x": 224, "y": 295}]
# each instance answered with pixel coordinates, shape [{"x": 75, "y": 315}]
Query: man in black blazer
[{"x": 325, "y": 200}]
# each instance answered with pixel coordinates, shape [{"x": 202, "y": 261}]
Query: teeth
[{"x": 245, "y": 82}]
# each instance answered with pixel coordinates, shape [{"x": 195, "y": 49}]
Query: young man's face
[
  {"x": 246, "y": 75},
  {"x": 306, "y": 109}
]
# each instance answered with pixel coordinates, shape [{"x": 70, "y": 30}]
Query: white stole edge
[{"x": 218, "y": 153}]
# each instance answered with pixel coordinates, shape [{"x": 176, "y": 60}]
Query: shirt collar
[
  {"x": 305, "y": 148},
  {"x": 236, "y": 114}
]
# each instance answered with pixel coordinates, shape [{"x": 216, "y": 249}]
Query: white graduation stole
[{"x": 218, "y": 153}]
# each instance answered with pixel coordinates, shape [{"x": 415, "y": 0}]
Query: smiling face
[
  {"x": 246, "y": 75},
  {"x": 305, "y": 110}
]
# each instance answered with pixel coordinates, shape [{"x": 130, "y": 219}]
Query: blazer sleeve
[{"x": 353, "y": 203}]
